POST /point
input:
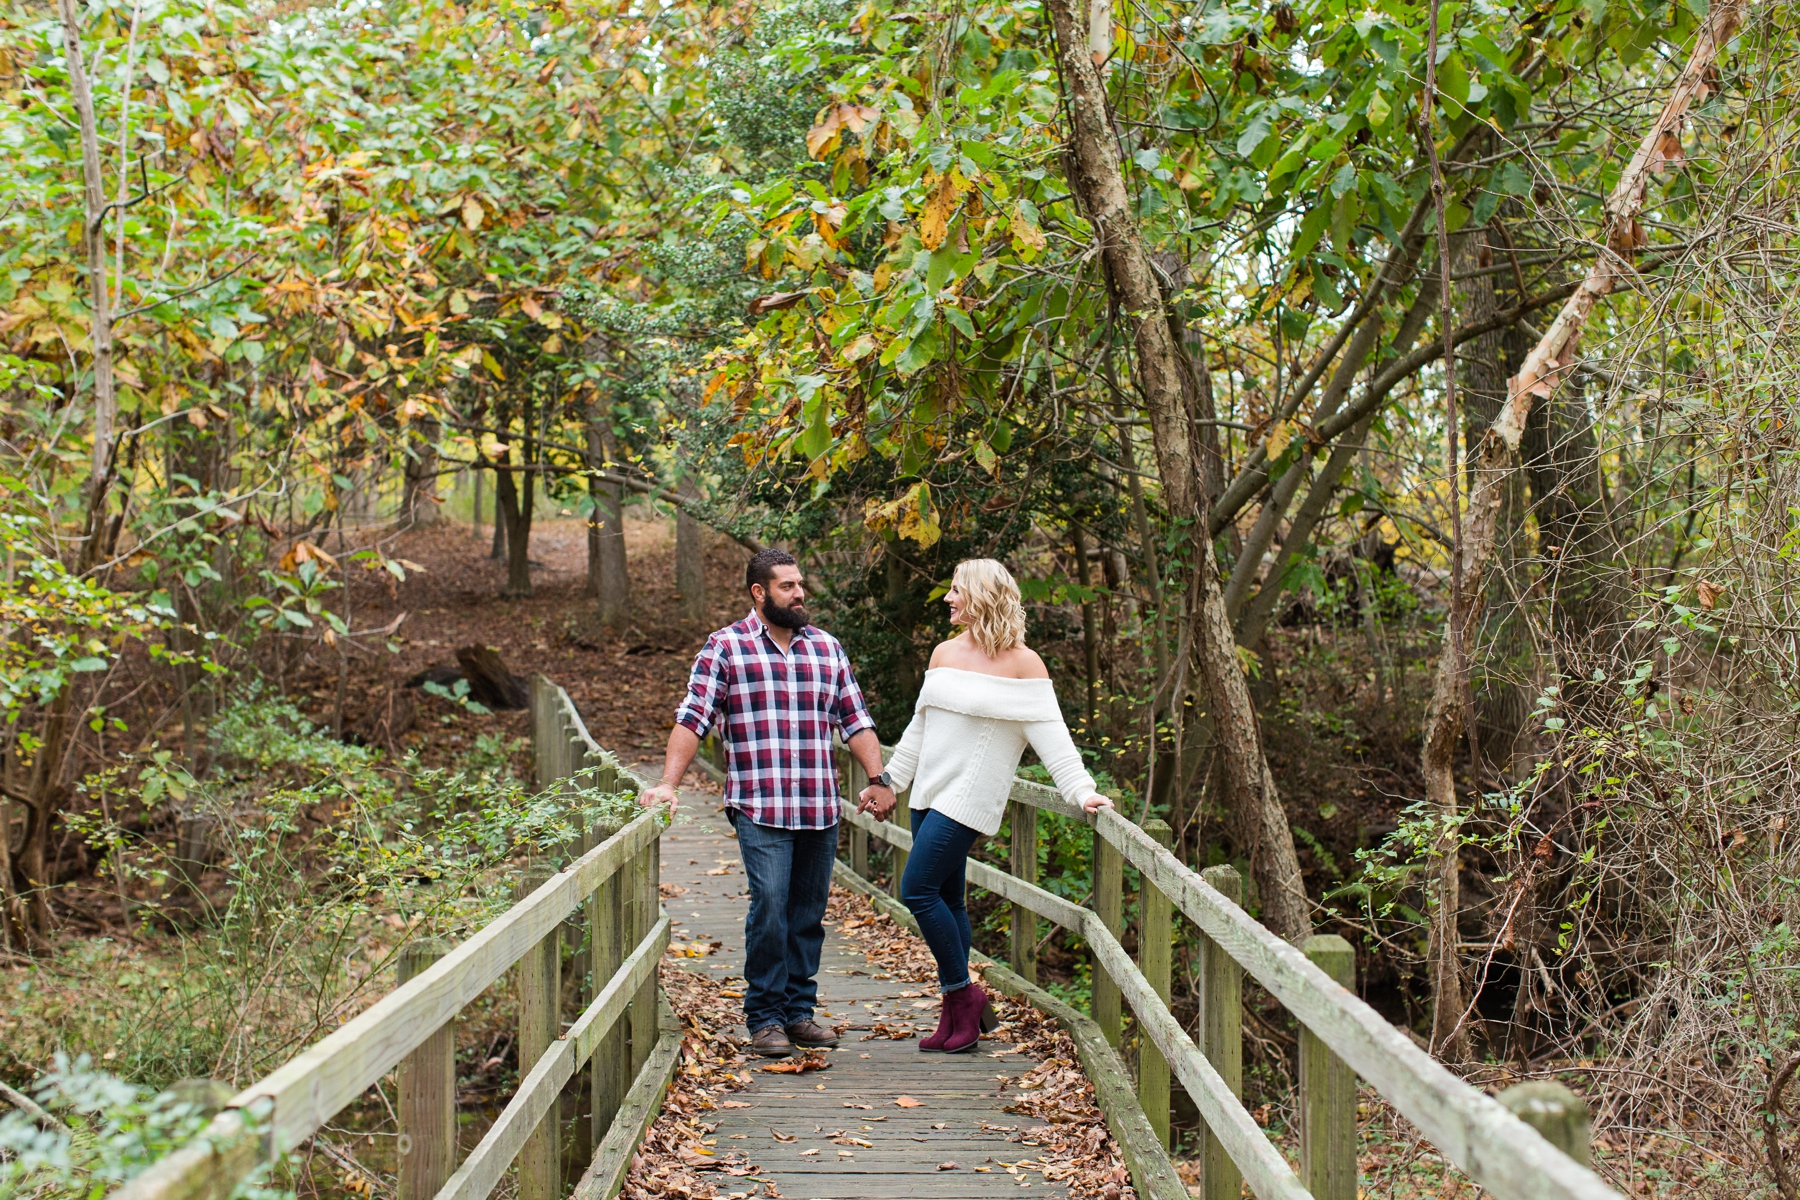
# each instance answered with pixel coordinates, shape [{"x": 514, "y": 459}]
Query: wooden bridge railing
[
  {"x": 1505, "y": 1144},
  {"x": 624, "y": 1042}
]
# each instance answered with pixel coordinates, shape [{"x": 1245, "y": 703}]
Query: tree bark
[
  {"x": 419, "y": 500},
  {"x": 609, "y": 578},
  {"x": 1491, "y": 465},
  {"x": 106, "y": 405},
  {"x": 1096, "y": 178},
  {"x": 512, "y": 520},
  {"x": 690, "y": 560}
]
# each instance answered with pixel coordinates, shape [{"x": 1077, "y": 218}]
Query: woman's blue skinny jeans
[{"x": 932, "y": 888}]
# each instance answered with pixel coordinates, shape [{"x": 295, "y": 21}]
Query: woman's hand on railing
[{"x": 1095, "y": 803}]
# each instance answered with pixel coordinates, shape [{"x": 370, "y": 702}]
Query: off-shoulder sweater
[{"x": 961, "y": 750}]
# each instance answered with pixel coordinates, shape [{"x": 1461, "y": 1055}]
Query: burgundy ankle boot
[
  {"x": 962, "y": 1013},
  {"x": 933, "y": 1043}
]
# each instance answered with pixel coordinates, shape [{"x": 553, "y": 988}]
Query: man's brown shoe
[
  {"x": 810, "y": 1033},
  {"x": 771, "y": 1042}
]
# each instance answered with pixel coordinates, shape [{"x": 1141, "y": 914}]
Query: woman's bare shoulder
[
  {"x": 1025, "y": 663},
  {"x": 947, "y": 653}
]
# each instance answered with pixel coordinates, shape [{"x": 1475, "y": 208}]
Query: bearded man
[{"x": 776, "y": 686}]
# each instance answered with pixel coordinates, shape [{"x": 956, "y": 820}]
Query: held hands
[
  {"x": 877, "y": 800},
  {"x": 1095, "y": 803}
]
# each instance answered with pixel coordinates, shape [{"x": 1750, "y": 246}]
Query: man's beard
[{"x": 793, "y": 617}]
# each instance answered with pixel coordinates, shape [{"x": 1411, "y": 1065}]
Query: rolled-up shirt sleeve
[
  {"x": 852, "y": 712},
  {"x": 706, "y": 690}
]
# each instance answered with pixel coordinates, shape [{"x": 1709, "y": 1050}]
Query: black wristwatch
[{"x": 884, "y": 781}]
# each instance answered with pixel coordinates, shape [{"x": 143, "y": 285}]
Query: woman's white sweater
[{"x": 961, "y": 751}]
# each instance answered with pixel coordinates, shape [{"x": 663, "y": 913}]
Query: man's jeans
[
  {"x": 789, "y": 872},
  {"x": 932, "y": 887}
]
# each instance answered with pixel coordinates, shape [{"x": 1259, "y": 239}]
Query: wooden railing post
[
  {"x": 1328, "y": 1090},
  {"x": 606, "y": 933},
  {"x": 854, "y": 782},
  {"x": 540, "y": 1022},
  {"x": 901, "y": 816},
  {"x": 1024, "y": 863},
  {"x": 1554, "y": 1111},
  {"x": 1221, "y": 1035},
  {"x": 643, "y": 906},
  {"x": 427, "y": 1093},
  {"x": 1109, "y": 903},
  {"x": 1154, "y": 961}
]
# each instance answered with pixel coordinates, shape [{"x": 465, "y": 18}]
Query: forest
[{"x": 1380, "y": 404}]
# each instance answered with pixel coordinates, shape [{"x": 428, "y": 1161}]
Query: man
[{"x": 780, "y": 686}]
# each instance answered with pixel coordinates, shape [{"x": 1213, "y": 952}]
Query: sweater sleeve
[
  {"x": 905, "y": 764},
  {"x": 1056, "y": 750}
]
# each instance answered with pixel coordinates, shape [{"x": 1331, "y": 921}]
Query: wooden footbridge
[{"x": 599, "y": 915}]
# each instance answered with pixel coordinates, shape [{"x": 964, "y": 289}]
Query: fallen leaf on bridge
[
  {"x": 909, "y": 1102},
  {"x": 812, "y": 1060}
]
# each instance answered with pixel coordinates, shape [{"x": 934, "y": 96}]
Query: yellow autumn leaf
[
  {"x": 1279, "y": 437},
  {"x": 493, "y": 366},
  {"x": 934, "y": 222},
  {"x": 636, "y": 78},
  {"x": 472, "y": 213}
]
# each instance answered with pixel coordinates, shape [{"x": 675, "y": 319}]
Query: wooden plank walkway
[{"x": 961, "y": 1118}]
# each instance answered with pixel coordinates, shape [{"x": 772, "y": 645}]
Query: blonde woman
[{"x": 986, "y": 697}]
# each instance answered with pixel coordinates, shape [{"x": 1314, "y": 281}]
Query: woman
[{"x": 986, "y": 697}]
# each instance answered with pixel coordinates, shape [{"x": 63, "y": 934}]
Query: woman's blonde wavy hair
[{"x": 992, "y": 603}]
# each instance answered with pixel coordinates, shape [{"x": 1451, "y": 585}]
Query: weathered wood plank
[
  {"x": 1154, "y": 932},
  {"x": 210, "y": 1166},
  {"x": 1023, "y": 859},
  {"x": 540, "y": 1089},
  {"x": 1221, "y": 1037},
  {"x": 1492, "y": 1146},
  {"x": 1267, "y": 1171},
  {"x": 1109, "y": 904},
  {"x": 606, "y": 1174},
  {"x": 427, "y": 1092},
  {"x": 1328, "y": 1090},
  {"x": 1152, "y": 1174},
  {"x": 310, "y": 1088},
  {"x": 1145, "y": 1157},
  {"x": 539, "y": 974}
]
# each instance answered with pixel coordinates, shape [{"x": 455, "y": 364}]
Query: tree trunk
[
  {"x": 94, "y": 229},
  {"x": 1090, "y": 640},
  {"x": 609, "y": 575},
  {"x": 419, "y": 502},
  {"x": 690, "y": 561},
  {"x": 1097, "y": 180},
  {"x": 1490, "y": 473},
  {"x": 512, "y": 513}
]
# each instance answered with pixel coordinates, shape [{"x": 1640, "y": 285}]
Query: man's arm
[
  {"x": 684, "y": 743},
  {"x": 698, "y": 712},
  {"x": 875, "y": 798}
]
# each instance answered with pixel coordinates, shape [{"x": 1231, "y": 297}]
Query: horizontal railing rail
[
  {"x": 610, "y": 887},
  {"x": 1476, "y": 1132}
]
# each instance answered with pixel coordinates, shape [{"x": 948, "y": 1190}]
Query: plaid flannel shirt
[{"x": 778, "y": 711}]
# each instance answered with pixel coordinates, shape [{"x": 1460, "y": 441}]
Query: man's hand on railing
[
  {"x": 877, "y": 800},
  {"x": 660, "y": 793},
  {"x": 1095, "y": 803}
]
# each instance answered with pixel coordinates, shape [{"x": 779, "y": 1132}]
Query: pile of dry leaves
[
  {"x": 1074, "y": 1147},
  {"x": 674, "y": 1159}
]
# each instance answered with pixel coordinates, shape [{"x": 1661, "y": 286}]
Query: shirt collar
[{"x": 760, "y": 627}]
